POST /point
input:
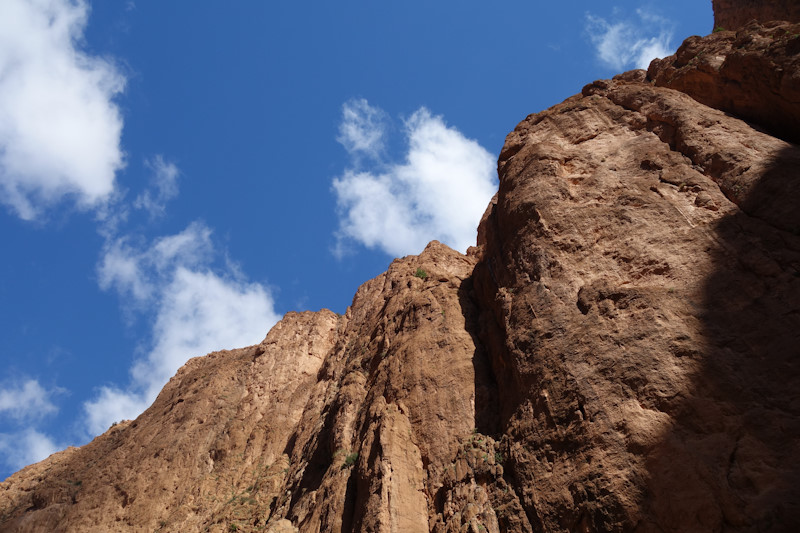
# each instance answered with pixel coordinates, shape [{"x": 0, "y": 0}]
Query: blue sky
[{"x": 175, "y": 176}]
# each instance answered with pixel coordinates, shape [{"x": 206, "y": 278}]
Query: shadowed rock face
[
  {"x": 733, "y": 14},
  {"x": 648, "y": 323},
  {"x": 752, "y": 73},
  {"x": 620, "y": 352}
]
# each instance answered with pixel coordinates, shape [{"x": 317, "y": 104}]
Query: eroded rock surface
[
  {"x": 752, "y": 73},
  {"x": 213, "y": 440},
  {"x": 645, "y": 309},
  {"x": 733, "y": 14},
  {"x": 332, "y": 423}
]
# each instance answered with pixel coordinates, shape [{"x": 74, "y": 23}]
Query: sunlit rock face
[
  {"x": 640, "y": 280},
  {"x": 620, "y": 351}
]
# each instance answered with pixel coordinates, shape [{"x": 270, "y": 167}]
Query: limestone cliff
[{"x": 620, "y": 352}]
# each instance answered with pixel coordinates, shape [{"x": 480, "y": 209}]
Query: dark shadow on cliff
[
  {"x": 731, "y": 461},
  {"x": 487, "y": 420}
]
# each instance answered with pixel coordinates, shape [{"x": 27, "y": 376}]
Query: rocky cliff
[
  {"x": 620, "y": 352},
  {"x": 733, "y": 14}
]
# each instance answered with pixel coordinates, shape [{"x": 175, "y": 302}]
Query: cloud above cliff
[
  {"x": 438, "y": 190},
  {"x": 24, "y": 447},
  {"x": 59, "y": 127},
  {"x": 23, "y": 405},
  {"x": 60, "y": 142},
  {"x": 198, "y": 308},
  {"x": 630, "y": 42}
]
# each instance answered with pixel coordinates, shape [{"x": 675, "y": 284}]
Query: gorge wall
[{"x": 620, "y": 351}]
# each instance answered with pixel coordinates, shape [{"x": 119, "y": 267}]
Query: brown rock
[
  {"x": 733, "y": 14},
  {"x": 332, "y": 423},
  {"x": 753, "y": 73},
  {"x": 207, "y": 452},
  {"x": 639, "y": 334},
  {"x": 620, "y": 352},
  {"x": 405, "y": 385}
]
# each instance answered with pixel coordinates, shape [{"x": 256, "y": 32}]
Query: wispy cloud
[
  {"x": 60, "y": 133},
  {"x": 136, "y": 272},
  {"x": 59, "y": 127},
  {"x": 439, "y": 190},
  {"x": 630, "y": 42},
  {"x": 198, "y": 309},
  {"x": 363, "y": 129},
  {"x": 21, "y": 448},
  {"x": 164, "y": 187},
  {"x": 26, "y": 400},
  {"x": 201, "y": 311}
]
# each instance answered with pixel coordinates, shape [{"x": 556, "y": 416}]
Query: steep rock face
[
  {"x": 214, "y": 436},
  {"x": 733, "y": 14},
  {"x": 405, "y": 386},
  {"x": 620, "y": 352},
  {"x": 647, "y": 315},
  {"x": 330, "y": 424}
]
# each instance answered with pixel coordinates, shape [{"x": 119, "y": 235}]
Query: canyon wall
[{"x": 619, "y": 352}]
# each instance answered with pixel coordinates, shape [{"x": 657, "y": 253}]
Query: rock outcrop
[
  {"x": 332, "y": 423},
  {"x": 733, "y": 14},
  {"x": 620, "y": 352},
  {"x": 646, "y": 314},
  {"x": 752, "y": 73}
]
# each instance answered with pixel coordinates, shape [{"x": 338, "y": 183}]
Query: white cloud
[
  {"x": 164, "y": 187},
  {"x": 24, "y": 447},
  {"x": 439, "y": 191},
  {"x": 59, "y": 128},
  {"x": 113, "y": 404},
  {"x": 197, "y": 309},
  {"x": 25, "y": 403},
  {"x": 362, "y": 129},
  {"x": 190, "y": 247},
  {"x": 200, "y": 312},
  {"x": 631, "y": 43},
  {"x": 120, "y": 269},
  {"x": 138, "y": 272},
  {"x": 28, "y": 400}
]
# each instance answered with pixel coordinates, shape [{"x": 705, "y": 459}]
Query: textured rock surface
[
  {"x": 209, "y": 450},
  {"x": 620, "y": 352},
  {"x": 733, "y": 14},
  {"x": 332, "y": 423},
  {"x": 753, "y": 73},
  {"x": 646, "y": 315}
]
